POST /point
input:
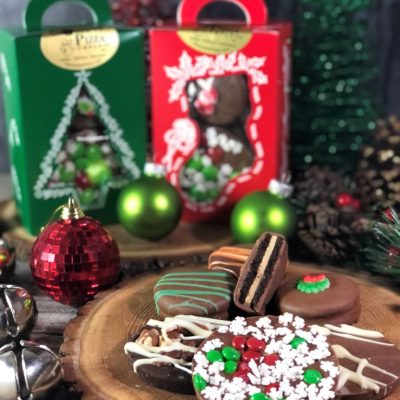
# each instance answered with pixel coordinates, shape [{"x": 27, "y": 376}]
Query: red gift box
[{"x": 220, "y": 105}]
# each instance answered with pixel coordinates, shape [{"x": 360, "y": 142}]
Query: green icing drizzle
[
  {"x": 177, "y": 281},
  {"x": 189, "y": 304},
  {"x": 167, "y": 283},
  {"x": 313, "y": 287},
  {"x": 191, "y": 291},
  {"x": 221, "y": 274}
]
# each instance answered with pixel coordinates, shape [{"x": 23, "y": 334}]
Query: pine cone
[
  {"x": 378, "y": 174},
  {"x": 318, "y": 184},
  {"x": 331, "y": 233}
]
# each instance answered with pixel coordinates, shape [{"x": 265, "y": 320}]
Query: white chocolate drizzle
[
  {"x": 190, "y": 323},
  {"x": 198, "y": 326},
  {"x": 161, "y": 359},
  {"x": 351, "y": 332},
  {"x": 365, "y": 383},
  {"x": 189, "y": 371},
  {"x": 152, "y": 351},
  {"x": 357, "y": 377}
]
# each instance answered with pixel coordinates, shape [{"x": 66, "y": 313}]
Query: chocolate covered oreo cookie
[{"x": 262, "y": 273}]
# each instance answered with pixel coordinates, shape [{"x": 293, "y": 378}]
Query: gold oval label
[
  {"x": 80, "y": 50},
  {"x": 215, "y": 41}
]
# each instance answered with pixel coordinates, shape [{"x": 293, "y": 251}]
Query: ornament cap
[
  {"x": 280, "y": 188},
  {"x": 72, "y": 210}
]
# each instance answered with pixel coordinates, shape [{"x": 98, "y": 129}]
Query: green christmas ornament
[
  {"x": 98, "y": 172},
  {"x": 149, "y": 208},
  {"x": 260, "y": 212}
]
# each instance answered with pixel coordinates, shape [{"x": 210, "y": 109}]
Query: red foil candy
[
  {"x": 270, "y": 359},
  {"x": 74, "y": 259},
  {"x": 255, "y": 344},
  {"x": 239, "y": 342},
  {"x": 251, "y": 355},
  {"x": 270, "y": 387}
]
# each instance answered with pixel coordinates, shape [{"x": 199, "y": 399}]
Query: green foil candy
[
  {"x": 230, "y": 353},
  {"x": 230, "y": 367},
  {"x": 312, "y": 376},
  {"x": 210, "y": 173},
  {"x": 259, "y": 396},
  {"x": 297, "y": 341},
  {"x": 199, "y": 382},
  {"x": 214, "y": 356}
]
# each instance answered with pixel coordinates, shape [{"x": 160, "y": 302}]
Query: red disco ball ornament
[{"x": 74, "y": 257}]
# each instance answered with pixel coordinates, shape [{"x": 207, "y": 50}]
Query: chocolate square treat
[
  {"x": 369, "y": 363},
  {"x": 201, "y": 293},
  {"x": 161, "y": 352}
]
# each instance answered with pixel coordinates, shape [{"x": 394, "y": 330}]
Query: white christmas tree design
[{"x": 88, "y": 154}]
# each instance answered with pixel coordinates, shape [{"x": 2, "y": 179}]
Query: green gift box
[{"x": 75, "y": 112}]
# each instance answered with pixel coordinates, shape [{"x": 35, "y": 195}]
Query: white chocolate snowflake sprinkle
[{"x": 287, "y": 371}]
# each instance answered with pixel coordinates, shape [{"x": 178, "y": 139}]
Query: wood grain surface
[{"x": 93, "y": 356}]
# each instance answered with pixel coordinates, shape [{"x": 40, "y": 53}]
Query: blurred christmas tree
[
  {"x": 334, "y": 91},
  {"x": 383, "y": 253}
]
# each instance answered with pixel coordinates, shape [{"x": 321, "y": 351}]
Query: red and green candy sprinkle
[{"x": 313, "y": 283}]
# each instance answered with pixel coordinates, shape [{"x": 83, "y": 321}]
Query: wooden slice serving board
[
  {"x": 187, "y": 243},
  {"x": 93, "y": 356}
]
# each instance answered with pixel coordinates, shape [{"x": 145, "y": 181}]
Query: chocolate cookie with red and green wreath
[{"x": 320, "y": 298}]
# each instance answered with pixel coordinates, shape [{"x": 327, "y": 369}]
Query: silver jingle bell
[
  {"x": 28, "y": 371},
  {"x": 7, "y": 259},
  {"x": 18, "y": 313}
]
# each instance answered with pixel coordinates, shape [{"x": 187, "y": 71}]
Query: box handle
[
  {"x": 100, "y": 10},
  {"x": 256, "y": 11}
]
